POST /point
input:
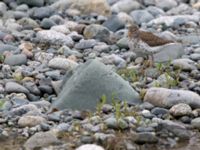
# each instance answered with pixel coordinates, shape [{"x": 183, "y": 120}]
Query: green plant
[
  {"x": 142, "y": 93},
  {"x": 159, "y": 67},
  {"x": 177, "y": 75},
  {"x": 118, "y": 113},
  {"x": 100, "y": 104},
  {"x": 170, "y": 81},
  {"x": 125, "y": 108},
  {"x": 2, "y": 101},
  {"x": 156, "y": 84},
  {"x": 113, "y": 98},
  {"x": 138, "y": 119},
  {"x": 129, "y": 74},
  {"x": 164, "y": 67},
  {"x": 2, "y": 57},
  {"x": 18, "y": 76}
]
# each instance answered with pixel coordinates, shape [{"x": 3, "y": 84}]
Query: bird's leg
[
  {"x": 151, "y": 60},
  {"x": 144, "y": 66},
  {"x": 146, "y": 62}
]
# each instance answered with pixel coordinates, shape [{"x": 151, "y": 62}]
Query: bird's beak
[{"x": 127, "y": 26}]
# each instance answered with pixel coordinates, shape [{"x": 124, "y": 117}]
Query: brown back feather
[{"x": 152, "y": 40}]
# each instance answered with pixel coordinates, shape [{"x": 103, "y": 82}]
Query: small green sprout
[{"x": 101, "y": 103}]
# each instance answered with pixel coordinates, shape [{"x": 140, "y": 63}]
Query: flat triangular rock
[{"x": 83, "y": 89}]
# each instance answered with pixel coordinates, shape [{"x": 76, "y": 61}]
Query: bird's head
[{"x": 132, "y": 30}]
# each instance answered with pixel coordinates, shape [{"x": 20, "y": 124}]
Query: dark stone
[{"x": 114, "y": 23}]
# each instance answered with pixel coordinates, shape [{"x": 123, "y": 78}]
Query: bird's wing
[{"x": 153, "y": 40}]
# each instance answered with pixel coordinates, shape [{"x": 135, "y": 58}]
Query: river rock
[
  {"x": 114, "y": 23},
  {"x": 3, "y": 8},
  {"x": 54, "y": 37},
  {"x": 155, "y": 11},
  {"x": 6, "y": 47},
  {"x": 196, "y": 5},
  {"x": 141, "y": 16},
  {"x": 167, "y": 98},
  {"x": 14, "y": 60},
  {"x": 85, "y": 7},
  {"x": 24, "y": 109},
  {"x": 19, "y": 15},
  {"x": 28, "y": 23},
  {"x": 163, "y": 80},
  {"x": 30, "y": 121},
  {"x": 184, "y": 64},
  {"x": 41, "y": 12},
  {"x": 22, "y": 7},
  {"x": 90, "y": 147},
  {"x": 123, "y": 43},
  {"x": 169, "y": 52},
  {"x": 85, "y": 44},
  {"x": 113, "y": 123},
  {"x": 171, "y": 21},
  {"x": 190, "y": 39},
  {"x": 61, "y": 28},
  {"x": 195, "y": 56},
  {"x": 92, "y": 6},
  {"x": 47, "y": 23},
  {"x": 41, "y": 139},
  {"x": 13, "y": 87},
  {"x": 32, "y": 3},
  {"x": 62, "y": 63},
  {"x": 83, "y": 89},
  {"x": 196, "y": 123},
  {"x": 149, "y": 2},
  {"x": 180, "y": 109},
  {"x": 114, "y": 59},
  {"x": 125, "y": 6},
  {"x": 96, "y": 31},
  {"x": 145, "y": 137},
  {"x": 177, "y": 129},
  {"x": 166, "y": 4}
]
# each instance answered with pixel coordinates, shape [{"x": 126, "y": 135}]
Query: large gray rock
[
  {"x": 169, "y": 52},
  {"x": 167, "y": 98},
  {"x": 84, "y": 88}
]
